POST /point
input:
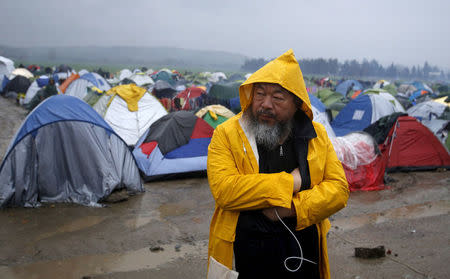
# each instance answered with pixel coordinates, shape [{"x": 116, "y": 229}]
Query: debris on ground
[{"x": 370, "y": 253}]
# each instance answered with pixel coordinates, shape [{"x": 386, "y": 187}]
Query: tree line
[{"x": 355, "y": 69}]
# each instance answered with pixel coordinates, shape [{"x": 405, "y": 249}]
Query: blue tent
[
  {"x": 65, "y": 152},
  {"x": 363, "y": 111},
  {"x": 345, "y": 85}
]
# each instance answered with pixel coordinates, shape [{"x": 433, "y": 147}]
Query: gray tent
[{"x": 65, "y": 152}]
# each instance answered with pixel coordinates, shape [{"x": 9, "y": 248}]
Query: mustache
[{"x": 266, "y": 113}]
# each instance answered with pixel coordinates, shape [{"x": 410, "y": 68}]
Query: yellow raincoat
[{"x": 237, "y": 185}]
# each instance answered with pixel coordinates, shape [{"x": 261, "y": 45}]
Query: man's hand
[
  {"x": 282, "y": 212},
  {"x": 297, "y": 180}
]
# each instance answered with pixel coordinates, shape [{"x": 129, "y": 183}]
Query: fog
[{"x": 406, "y": 32}]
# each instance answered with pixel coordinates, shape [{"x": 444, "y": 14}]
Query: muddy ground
[{"x": 163, "y": 232}]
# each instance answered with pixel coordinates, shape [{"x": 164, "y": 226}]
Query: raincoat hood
[{"x": 284, "y": 71}]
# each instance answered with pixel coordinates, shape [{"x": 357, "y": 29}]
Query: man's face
[{"x": 272, "y": 104}]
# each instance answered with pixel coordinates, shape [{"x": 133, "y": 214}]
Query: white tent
[
  {"x": 141, "y": 79},
  {"x": 6, "y": 66},
  {"x": 130, "y": 125}
]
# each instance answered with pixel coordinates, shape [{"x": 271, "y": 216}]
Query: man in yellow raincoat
[{"x": 271, "y": 168}]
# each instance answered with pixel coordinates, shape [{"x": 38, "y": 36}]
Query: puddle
[
  {"x": 78, "y": 267},
  {"x": 141, "y": 220},
  {"x": 408, "y": 212},
  {"x": 176, "y": 209},
  {"x": 75, "y": 225}
]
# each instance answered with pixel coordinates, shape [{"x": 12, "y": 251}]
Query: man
[{"x": 272, "y": 161}]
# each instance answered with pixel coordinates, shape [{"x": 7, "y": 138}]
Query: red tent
[{"x": 412, "y": 146}]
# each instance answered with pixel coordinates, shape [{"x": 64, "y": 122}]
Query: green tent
[{"x": 224, "y": 91}]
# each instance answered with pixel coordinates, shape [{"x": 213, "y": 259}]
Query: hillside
[{"x": 138, "y": 56}]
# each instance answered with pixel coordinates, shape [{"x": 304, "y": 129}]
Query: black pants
[{"x": 262, "y": 255}]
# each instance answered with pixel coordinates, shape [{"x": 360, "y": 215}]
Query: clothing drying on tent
[
  {"x": 129, "y": 110},
  {"x": 65, "y": 152},
  {"x": 363, "y": 163},
  {"x": 363, "y": 111},
  {"x": 176, "y": 143},
  {"x": 409, "y": 145},
  {"x": 215, "y": 115}
]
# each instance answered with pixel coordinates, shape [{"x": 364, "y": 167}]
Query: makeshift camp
[
  {"x": 363, "y": 111},
  {"x": 65, "y": 152},
  {"x": 320, "y": 114},
  {"x": 215, "y": 115},
  {"x": 129, "y": 110},
  {"x": 409, "y": 145},
  {"x": 363, "y": 163},
  {"x": 175, "y": 144}
]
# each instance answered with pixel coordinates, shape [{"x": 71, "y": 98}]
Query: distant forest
[{"x": 355, "y": 69}]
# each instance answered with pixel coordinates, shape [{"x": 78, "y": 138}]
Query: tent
[
  {"x": 19, "y": 84},
  {"x": 129, "y": 110},
  {"x": 6, "y": 66},
  {"x": 141, "y": 79},
  {"x": 429, "y": 109},
  {"x": 65, "y": 152},
  {"x": 215, "y": 115},
  {"x": 216, "y": 77},
  {"x": 34, "y": 88},
  {"x": 363, "y": 111},
  {"x": 86, "y": 86},
  {"x": 347, "y": 85},
  {"x": 22, "y": 72},
  {"x": 164, "y": 89},
  {"x": 125, "y": 73},
  {"x": 175, "y": 144},
  {"x": 320, "y": 114},
  {"x": 186, "y": 98},
  {"x": 409, "y": 145},
  {"x": 67, "y": 82}
]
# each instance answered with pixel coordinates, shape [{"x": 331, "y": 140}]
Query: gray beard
[{"x": 265, "y": 134}]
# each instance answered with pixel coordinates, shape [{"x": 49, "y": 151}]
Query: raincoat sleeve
[
  {"x": 235, "y": 185},
  {"x": 329, "y": 195}
]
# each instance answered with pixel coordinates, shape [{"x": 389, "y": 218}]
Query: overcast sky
[{"x": 407, "y": 32}]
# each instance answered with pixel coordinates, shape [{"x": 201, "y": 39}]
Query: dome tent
[
  {"x": 363, "y": 111},
  {"x": 176, "y": 143},
  {"x": 65, "y": 152},
  {"x": 129, "y": 110}
]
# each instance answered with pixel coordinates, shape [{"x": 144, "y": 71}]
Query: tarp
[
  {"x": 65, "y": 152},
  {"x": 363, "y": 164}
]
